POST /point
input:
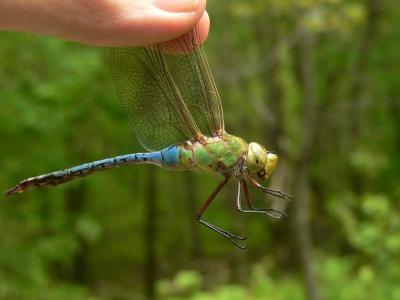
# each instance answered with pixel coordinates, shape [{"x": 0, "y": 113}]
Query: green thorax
[{"x": 216, "y": 154}]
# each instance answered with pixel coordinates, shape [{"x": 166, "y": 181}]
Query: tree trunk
[
  {"x": 150, "y": 233},
  {"x": 76, "y": 203},
  {"x": 357, "y": 101},
  {"x": 301, "y": 203},
  {"x": 194, "y": 228}
]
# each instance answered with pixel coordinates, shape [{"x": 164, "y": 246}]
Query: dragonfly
[{"x": 173, "y": 104}]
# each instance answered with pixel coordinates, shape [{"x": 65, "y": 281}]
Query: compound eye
[
  {"x": 272, "y": 160},
  {"x": 256, "y": 157}
]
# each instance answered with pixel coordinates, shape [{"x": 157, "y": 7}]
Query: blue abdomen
[{"x": 169, "y": 157}]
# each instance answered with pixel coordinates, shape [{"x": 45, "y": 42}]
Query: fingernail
[{"x": 177, "y": 5}]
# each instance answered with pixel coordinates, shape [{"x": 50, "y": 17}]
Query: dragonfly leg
[
  {"x": 272, "y": 192},
  {"x": 232, "y": 237},
  {"x": 267, "y": 211}
]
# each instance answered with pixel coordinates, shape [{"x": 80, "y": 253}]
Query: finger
[
  {"x": 203, "y": 26},
  {"x": 151, "y": 22}
]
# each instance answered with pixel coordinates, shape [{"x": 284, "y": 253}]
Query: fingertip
[
  {"x": 204, "y": 27},
  {"x": 173, "y": 25},
  {"x": 149, "y": 24},
  {"x": 175, "y": 45}
]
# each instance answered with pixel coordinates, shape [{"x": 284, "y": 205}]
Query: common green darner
[{"x": 173, "y": 104}]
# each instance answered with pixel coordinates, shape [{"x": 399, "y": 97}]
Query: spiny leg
[
  {"x": 269, "y": 191},
  {"x": 233, "y": 238},
  {"x": 267, "y": 211}
]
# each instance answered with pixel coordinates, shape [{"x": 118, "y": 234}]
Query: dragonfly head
[{"x": 260, "y": 162}]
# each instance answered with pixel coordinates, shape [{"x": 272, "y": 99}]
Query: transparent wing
[{"x": 170, "y": 96}]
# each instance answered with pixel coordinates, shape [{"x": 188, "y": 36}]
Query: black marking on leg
[
  {"x": 272, "y": 192},
  {"x": 232, "y": 237},
  {"x": 268, "y": 211}
]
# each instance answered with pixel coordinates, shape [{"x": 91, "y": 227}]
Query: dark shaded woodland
[{"x": 316, "y": 81}]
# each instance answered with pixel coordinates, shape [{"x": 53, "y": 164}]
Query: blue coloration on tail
[
  {"x": 168, "y": 157},
  {"x": 165, "y": 157}
]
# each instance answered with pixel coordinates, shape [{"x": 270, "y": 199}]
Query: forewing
[
  {"x": 194, "y": 79},
  {"x": 169, "y": 96}
]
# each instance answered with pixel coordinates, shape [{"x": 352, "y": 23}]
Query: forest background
[{"x": 316, "y": 81}]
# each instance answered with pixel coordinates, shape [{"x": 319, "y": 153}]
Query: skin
[{"x": 108, "y": 23}]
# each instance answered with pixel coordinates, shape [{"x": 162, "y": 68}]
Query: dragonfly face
[{"x": 260, "y": 162}]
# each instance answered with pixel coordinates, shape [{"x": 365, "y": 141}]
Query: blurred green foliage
[{"x": 316, "y": 80}]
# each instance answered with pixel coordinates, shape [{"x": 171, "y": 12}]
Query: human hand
[{"x": 106, "y": 22}]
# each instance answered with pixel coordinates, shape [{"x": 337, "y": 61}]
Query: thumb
[{"x": 144, "y": 22}]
